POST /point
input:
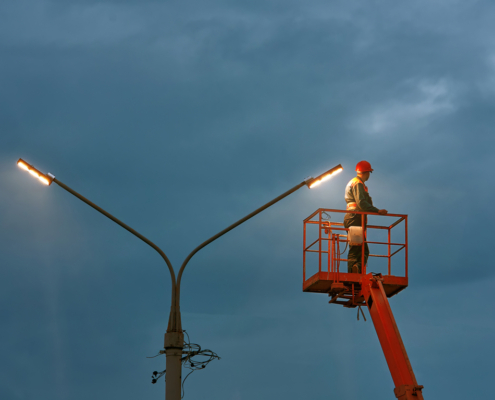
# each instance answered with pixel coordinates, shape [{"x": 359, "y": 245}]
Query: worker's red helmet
[{"x": 363, "y": 166}]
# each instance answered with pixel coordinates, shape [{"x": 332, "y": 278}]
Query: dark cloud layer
[{"x": 180, "y": 118}]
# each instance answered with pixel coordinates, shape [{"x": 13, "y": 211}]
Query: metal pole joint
[{"x": 174, "y": 340}]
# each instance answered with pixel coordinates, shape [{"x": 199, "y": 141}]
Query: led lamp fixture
[
  {"x": 46, "y": 179},
  {"x": 312, "y": 182}
]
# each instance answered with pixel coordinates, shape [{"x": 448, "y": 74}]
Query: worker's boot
[{"x": 355, "y": 269}]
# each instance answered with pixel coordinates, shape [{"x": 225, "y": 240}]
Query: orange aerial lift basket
[{"x": 325, "y": 270}]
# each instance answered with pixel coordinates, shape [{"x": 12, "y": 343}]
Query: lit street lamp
[{"x": 174, "y": 338}]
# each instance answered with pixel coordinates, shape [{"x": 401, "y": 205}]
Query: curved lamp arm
[
  {"x": 48, "y": 179},
  {"x": 213, "y": 238},
  {"x": 126, "y": 227},
  {"x": 234, "y": 225},
  {"x": 310, "y": 182}
]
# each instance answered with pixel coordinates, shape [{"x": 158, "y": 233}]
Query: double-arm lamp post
[{"x": 174, "y": 338}]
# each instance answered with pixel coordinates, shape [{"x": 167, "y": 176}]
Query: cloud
[
  {"x": 44, "y": 23},
  {"x": 486, "y": 83},
  {"x": 180, "y": 118},
  {"x": 424, "y": 101}
]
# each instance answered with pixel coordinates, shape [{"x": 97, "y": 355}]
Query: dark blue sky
[{"x": 180, "y": 118}]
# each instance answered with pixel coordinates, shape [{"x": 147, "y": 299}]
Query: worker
[{"x": 358, "y": 199}]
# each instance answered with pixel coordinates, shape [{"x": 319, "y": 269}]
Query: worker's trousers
[{"x": 355, "y": 255}]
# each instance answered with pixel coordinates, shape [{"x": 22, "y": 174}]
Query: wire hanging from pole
[{"x": 194, "y": 358}]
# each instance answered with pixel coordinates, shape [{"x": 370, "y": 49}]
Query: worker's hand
[{"x": 382, "y": 212}]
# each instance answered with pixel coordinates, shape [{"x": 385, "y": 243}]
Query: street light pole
[
  {"x": 174, "y": 334},
  {"x": 174, "y": 337}
]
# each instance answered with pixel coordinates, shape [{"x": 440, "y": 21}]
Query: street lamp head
[
  {"x": 312, "y": 182},
  {"x": 46, "y": 179}
]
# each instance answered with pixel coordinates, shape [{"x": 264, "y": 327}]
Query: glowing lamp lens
[
  {"x": 22, "y": 165},
  {"x": 34, "y": 173},
  {"x": 324, "y": 177},
  {"x": 44, "y": 180}
]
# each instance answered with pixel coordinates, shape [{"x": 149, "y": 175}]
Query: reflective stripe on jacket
[{"x": 357, "y": 197}]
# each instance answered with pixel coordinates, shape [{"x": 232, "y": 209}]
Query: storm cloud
[{"x": 180, "y": 118}]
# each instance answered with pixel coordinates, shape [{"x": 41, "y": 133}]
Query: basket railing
[{"x": 332, "y": 236}]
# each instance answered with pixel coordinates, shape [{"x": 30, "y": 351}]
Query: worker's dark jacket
[{"x": 357, "y": 199}]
